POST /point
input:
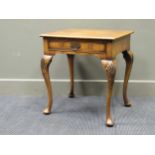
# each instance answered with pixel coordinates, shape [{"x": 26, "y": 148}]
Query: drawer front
[{"x": 76, "y": 46}]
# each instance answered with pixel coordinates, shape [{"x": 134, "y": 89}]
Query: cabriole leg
[
  {"x": 71, "y": 69},
  {"x": 45, "y": 63},
  {"x": 110, "y": 68},
  {"x": 128, "y": 57}
]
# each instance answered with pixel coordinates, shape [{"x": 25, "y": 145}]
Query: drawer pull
[{"x": 75, "y": 46}]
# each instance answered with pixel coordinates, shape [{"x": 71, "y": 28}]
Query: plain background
[{"x": 21, "y": 51}]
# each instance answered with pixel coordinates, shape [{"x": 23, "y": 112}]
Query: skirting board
[{"x": 82, "y": 87}]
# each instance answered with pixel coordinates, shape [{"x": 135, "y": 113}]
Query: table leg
[
  {"x": 71, "y": 69},
  {"x": 110, "y": 68},
  {"x": 45, "y": 63},
  {"x": 128, "y": 56}
]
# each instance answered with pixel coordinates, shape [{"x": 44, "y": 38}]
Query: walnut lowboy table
[{"x": 104, "y": 44}]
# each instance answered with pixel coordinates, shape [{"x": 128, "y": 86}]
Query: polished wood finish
[
  {"x": 88, "y": 34},
  {"x": 104, "y": 44},
  {"x": 110, "y": 68},
  {"x": 76, "y": 45},
  {"x": 128, "y": 56},
  {"x": 45, "y": 63},
  {"x": 71, "y": 69},
  {"x": 100, "y": 48}
]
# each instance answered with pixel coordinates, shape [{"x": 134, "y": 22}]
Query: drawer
[{"x": 80, "y": 46}]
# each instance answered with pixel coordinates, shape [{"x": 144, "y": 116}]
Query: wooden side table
[{"x": 104, "y": 44}]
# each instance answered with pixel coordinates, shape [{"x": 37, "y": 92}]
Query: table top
[{"x": 89, "y": 34}]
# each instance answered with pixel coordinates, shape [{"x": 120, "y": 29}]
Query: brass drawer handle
[{"x": 75, "y": 46}]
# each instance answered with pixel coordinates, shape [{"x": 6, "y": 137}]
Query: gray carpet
[{"x": 81, "y": 115}]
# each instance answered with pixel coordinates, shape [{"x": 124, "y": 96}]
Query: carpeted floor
[{"x": 78, "y": 116}]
